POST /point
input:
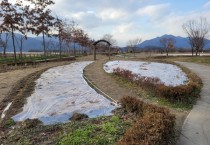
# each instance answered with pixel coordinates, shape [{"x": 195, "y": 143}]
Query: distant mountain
[
  {"x": 180, "y": 42},
  {"x": 32, "y": 43},
  {"x": 28, "y": 44}
]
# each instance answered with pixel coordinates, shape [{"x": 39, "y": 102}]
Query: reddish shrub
[
  {"x": 155, "y": 126},
  {"x": 151, "y": 129},
  {"x": 132, "y": 104},
  {"x": 124, "y": 73},
  {"x": 183, "y": 93}
]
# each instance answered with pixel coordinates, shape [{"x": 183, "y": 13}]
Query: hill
[
  {"x": 180, "y": 42},
  {"x": 32, "y": 43},
  {"x": 28, "y": 44}
]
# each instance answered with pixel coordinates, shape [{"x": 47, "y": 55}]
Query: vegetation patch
[
  {"x": 185, "y": 94},
  {"x": 8, "y": 65},
  {"x": 9, "y": 123},
  {"x": 195, "y": 59},
  {"x": 155, "y": 126},
  {"x": 78, "y": 116},
  {"x": 103, "y": 130},
  {"x": 134, "y": 123}
]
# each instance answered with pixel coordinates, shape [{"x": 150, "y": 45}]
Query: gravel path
[{"x": 196, "y": 128}]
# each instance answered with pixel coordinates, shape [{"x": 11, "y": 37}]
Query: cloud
[
  {"x": 124, "y": 28},
  {"x": 87, "y": 19},
  {"x": 155, "y": 11},
  {"x": 112, "y": 14},
  {"x": 173, "y": 25},
  {"x": 129, "y": 19},
  {"x": 206, "y": 5}
]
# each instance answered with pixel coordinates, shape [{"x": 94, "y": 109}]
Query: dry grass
[
  {"x": 182, "y": 94},
  {"x": 154, "y": 126},
  {"x": 195, "y": 59}
]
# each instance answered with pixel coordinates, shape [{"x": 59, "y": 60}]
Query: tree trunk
[
  {"x": 196, "y": 52},
  {"x": 44, "y": 43},
  {"x": 13, "y": 42},
  {"x": 167, "y": 52},
  {"x": 60, "y": 46},
  {"x": 74, "y": 49},
  {"x": 94, "y": 52},
  {"x": 109, "y": 52},
  {"x": 5, "y": 52},
  {"x": 21, "y": 48},
  {"x": 192, "y": 51}
]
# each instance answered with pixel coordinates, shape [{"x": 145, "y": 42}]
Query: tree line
[{"x": 34, "y": 16}]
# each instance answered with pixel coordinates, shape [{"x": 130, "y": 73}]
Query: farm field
[{"x": 112, "y": 85}]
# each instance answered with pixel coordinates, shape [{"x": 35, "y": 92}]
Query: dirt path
[
  {"x": 105, "y": 82},
  {"x": 196, "y": 129}
]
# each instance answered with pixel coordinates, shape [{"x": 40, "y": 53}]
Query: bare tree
[
  {"x": 59, "y": 26},
  {"x": 73, "y": 33},
  {"x": 5, "y": 42},
  {"x": 20, "y": 40},
  {"x": 167, "y": 43},
  {"x": 110, "y": 39},
  {"x": 81, "y": 37},
  {"x": 112, "y": 42},
  {"x": 133, "y": 44},
  {"x": 50, "y": 46},
  {"x": 69, "y": 35},
  {"x": 40, "y": 18},
  {"x": 12, "y": 19},
  {"x": 197, "y": 31}
]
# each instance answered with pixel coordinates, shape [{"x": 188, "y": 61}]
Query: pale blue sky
[{"x": 128, "y": 19}]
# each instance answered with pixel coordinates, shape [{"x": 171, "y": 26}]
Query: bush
[
  {"x": 78, "y": 116},
  {"x": 181, "y": 94},
  {"x": 151, "y": 129},
  {"x": 156, "y": 126},
  {"x": 31, "y": 123},
  {"x": 184, "y": 93},
  {"x": 9, "y": 123},
  {"x": 132, "y": 105}
]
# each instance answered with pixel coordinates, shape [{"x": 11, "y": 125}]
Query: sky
[{"x": 130, "y": 19}]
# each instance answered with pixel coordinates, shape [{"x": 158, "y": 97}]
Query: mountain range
[
  {"x": 180, "y": 42},
  {"x": 35, "y": 43},
  {"x": 28, "y": 44},
  {"x": 32, "y": 43}
]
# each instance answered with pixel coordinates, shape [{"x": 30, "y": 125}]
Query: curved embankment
[{"x": 196, "y": 128}]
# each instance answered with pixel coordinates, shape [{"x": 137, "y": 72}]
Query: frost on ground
[
  {"x": 4, "y": 111},
  {"x": 60, "y": 92},
  {"x": 168, "y": 74}
]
